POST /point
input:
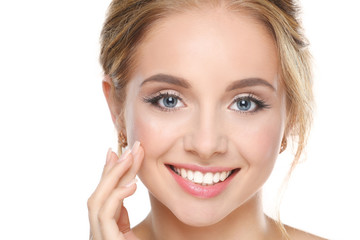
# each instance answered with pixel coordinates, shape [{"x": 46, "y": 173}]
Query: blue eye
[
  {"x": 165, "y": 101},
  {"x": 168, "y": 102},
  {"x": 245, "y": 105},
  {"x": 248, "y": 104}
]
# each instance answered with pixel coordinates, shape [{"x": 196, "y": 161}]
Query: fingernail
[
  {"x": 125, "y": 155},
  {"x": 135, "y": 147},
  {"x": 108, "y": 155},
  {"x": 132, "y": 182}
]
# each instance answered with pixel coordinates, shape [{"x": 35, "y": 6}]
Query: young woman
[{"x": 207, "y": 94}]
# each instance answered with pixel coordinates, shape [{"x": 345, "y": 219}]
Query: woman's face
[{"x": 205, "y": 100}]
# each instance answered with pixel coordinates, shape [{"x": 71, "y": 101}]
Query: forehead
[{"x": 210, "y": 44}]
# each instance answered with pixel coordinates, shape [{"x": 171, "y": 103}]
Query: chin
[
  {"x": 200, "y": 215},
  {"x": 199, "y": 222}
]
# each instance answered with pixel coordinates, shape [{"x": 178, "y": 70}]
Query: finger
[
  {"x": 95, "y": 233},
  {"x": 138, "y": 154},
  {"x": 111, "y": 179},
  {"x": 111, "y": 158},
  {"x": 103, "y": 190},
  {"x": 106, "y": 216},
  {"x": 138, "y": 159}
]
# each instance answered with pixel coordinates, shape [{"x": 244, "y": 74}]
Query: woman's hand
[{"x": 108, "y": 217}]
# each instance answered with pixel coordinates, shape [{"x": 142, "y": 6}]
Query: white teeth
[
  {"x": 190, "y": 175},
  {"x": 208, "y": 178},
  {"x": 204, "y": 179},
  {"x": 198, "y": 177},
  {"x": 183, "y": 173},
  {"x": 216, "y": 177},
  {"x": 222, "y": 176}
]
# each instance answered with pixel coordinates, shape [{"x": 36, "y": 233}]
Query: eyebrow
[
  {"x": 249, "y": 82},
  {"x": 167, "y": 79}
]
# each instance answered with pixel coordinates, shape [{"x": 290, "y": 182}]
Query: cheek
[
  {"x": 157, "y": 133},
  {"x": 259, "y": 143},
  {"x": 266, "y": 143},
  {"x": 153, "y": 135},
  {"x": 263, "y": 156}
]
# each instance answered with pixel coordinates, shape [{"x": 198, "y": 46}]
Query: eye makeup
[
  {"x": 165, "y": 100},
  {"x": 248, "y": 103}
]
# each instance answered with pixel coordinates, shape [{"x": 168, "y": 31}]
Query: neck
[{"x": 246, "y": 222}]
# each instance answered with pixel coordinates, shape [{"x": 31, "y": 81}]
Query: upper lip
[{"x": 212, "y": 169}]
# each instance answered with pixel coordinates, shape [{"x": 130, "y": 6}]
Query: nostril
[
  {"x": 206, "y": 148},
  {"x": 206, "y": 134}
]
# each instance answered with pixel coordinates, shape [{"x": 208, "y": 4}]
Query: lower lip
[{"x": 200, "y": 191}]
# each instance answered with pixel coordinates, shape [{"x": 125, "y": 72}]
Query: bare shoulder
[{"x": 297, "y": 234}]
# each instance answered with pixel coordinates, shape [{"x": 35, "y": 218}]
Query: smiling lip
[{"x": 198, "y": 190}]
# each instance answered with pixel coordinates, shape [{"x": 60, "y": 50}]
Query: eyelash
[
  {"x": 260, "y": 104},
  {"x": 154, "y": 100}
]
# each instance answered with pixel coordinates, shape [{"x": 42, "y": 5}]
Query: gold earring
[
  {"x": 283, "y": 144},
  {"x": 122, "y": 140}
]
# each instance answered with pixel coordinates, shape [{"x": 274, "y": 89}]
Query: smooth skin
[{"x": 210, "y": 50}]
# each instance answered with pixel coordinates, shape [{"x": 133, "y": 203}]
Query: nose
[{"x": 206, "y": 137}]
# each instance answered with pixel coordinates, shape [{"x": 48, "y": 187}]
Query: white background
[{"x": 55, "y": 127}]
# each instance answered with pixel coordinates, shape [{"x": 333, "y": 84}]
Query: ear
[{"x": 108, "y": 89}]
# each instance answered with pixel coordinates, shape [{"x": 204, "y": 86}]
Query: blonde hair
[{"x": 128, "y": 21}]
